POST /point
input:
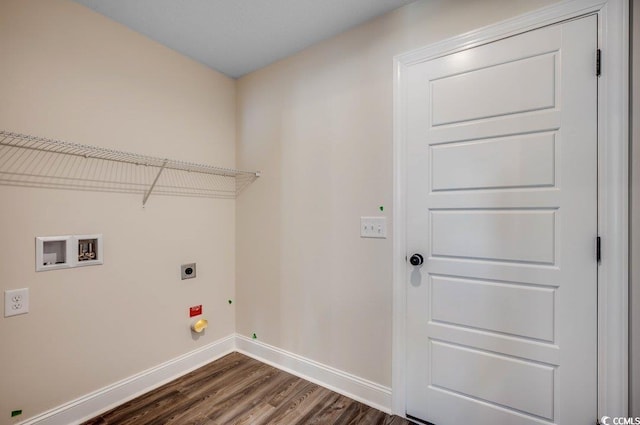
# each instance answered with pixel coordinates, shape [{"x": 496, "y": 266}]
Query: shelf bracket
[{"x": 146, "y": 195}]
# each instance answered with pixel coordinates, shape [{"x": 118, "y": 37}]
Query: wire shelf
[{"x": 39, "y": 162}]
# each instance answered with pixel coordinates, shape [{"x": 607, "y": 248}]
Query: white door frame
[{"x": 613, "y": 187}]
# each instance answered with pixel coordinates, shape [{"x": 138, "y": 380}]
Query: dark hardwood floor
[{"x": 237, "y": 389}]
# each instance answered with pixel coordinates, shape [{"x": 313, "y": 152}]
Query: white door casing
[{"x": 502, "y": 202}]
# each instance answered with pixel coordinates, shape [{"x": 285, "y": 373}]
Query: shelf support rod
[{"x": 146, "y": 195}]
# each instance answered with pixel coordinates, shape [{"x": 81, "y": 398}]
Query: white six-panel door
[{"x": 502, "y": 204}]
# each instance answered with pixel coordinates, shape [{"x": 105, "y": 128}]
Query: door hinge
[
  {"x": 598, "y": 249},
  {"x": 598, "y": 62}
]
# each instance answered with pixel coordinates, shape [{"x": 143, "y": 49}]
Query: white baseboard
[
  {"x": 91, "y": 405},
  {"x": 362, "y": 390}
]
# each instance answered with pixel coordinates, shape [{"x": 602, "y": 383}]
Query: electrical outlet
[
  {"x": 16, "y": 301},
  {"x": 188, "y": 271}
]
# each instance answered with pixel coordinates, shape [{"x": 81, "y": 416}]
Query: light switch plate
[{"x": 373, "y": 227}]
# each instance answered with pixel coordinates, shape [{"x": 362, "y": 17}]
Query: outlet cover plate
[
  {"x": 16, "y": 301},
  {"x": 188, "y": 271}
]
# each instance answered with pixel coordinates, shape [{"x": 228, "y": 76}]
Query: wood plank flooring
[{"x": 239, "y": 390}]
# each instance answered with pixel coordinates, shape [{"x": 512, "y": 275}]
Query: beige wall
[
  {"x": 71, "y": 74},
  {"x": 319, "y": 125}
]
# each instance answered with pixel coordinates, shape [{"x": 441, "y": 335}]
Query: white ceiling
[{"x": 239, "y": 36}]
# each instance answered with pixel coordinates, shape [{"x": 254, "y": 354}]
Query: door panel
[
  {"x": 477, "y": 87},
  {"x": 529, "y": 308},
  {"x": 511, "y": 382},
  {"x": 523, "y": 161},
  {"x": 502, "y": 203},
  {"x": 495, "y": 235}
]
